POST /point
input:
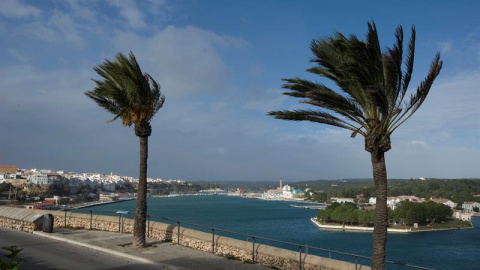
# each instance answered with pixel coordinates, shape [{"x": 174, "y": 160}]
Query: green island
[{"x": 407, "y": 217}]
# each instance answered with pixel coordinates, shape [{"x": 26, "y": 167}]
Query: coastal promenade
[{"x": 109, "y": 250}]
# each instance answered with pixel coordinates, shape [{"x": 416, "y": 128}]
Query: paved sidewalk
[{"x": 164, "y": 254}]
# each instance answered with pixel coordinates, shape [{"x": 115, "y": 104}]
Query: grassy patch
[
  {"x": 231, "y": 257},
  {"x": 248, "y": 261},
  {"x": 451, "y": 224}
]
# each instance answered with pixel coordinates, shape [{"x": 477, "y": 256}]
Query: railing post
[
  {"x": 253, "y": 249},
  {"x": 65, "y": 220},
  {"x": 213, "y": 240},
  {"x": 300, "y": 261},
  {"x": 119, "y": 223},
  {"x": 178, "y": 232},
  {"x": 356, "y": 261},
  {"x": 148, "y": 226},
  {"x": 91, "y": 217}
]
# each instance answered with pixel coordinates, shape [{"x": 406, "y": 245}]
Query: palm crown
[
  {"x": 373, "y": 84},
  {"x": 126, "y": 92}
]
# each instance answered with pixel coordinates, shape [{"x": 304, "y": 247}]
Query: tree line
[{"x": 406, "y": 213}]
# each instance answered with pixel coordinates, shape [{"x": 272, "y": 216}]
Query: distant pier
[
  {"x": 90, "y": 204},
  {"x": 316, "y": 207}
]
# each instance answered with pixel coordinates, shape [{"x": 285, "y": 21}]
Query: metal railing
[{"x": 301, "y": 248}]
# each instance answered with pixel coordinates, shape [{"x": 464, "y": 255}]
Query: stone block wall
[
  {"x": 265, "y": 255},
  {"x": 19, "y": 225}
]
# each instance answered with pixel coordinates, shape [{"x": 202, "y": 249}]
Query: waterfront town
[
  {"x": 31, "y": 187},
  {"x": 48, "y": 189}
]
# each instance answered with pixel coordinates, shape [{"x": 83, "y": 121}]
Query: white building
[
  {"x": 287, "y": 192},
  {"x": 343, "y": 200},
  {"x": 372, "y": 200},
  {"x": 462, "y": 216},
  {"x": 468, "y": 206},
  {"x": 446, "y": 202},
  {"x": 40, "y": 179}
]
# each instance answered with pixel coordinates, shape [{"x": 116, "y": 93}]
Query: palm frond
[
  {"x": 125, "y": 91},
  {"x": 417, "y": 99},
  {"x": 313, "y": 116},
  {"x": 372, "y": 84}
]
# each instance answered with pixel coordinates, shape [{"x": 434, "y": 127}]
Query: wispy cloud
[
  {"x": 129, "y": 10},
  {"x": 16, "y": 9},
  {"x": 60, "y": 28},
  {"x": 81, "y": 11},
  {"x": 445, "y": 47}
]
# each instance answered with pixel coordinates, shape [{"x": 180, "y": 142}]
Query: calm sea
[{"x": 457, "y": 249}]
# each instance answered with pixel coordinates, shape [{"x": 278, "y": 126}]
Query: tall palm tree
[
  {"x": 135, "y": 98},
  {"x": 372, "y": 101}
]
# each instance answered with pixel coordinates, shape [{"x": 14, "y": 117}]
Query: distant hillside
[
  {"x": 458, "y": 190},
  {"x": 246, "y": 185}
]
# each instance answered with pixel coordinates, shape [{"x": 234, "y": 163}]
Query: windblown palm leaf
[{"x": 373, "y": 86}]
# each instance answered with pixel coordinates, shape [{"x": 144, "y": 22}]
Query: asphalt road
[{"x": 40, "y": 253}]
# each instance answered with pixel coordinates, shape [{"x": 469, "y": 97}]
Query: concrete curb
[{"x": 104, "y": 250}]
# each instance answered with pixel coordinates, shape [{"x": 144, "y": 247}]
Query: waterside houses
[
  {"x": 446, "y": 202},
  {"x": 469, "y": 207}
]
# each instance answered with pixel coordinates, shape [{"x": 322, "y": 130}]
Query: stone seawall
[{"x": 265, "y": 255}]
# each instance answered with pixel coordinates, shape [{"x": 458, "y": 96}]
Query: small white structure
[
  {"x": 343, "y": 200},
  {"x": 287, "y": 192},
  {"x": 462, "y": 216},
  {"x": 372, "y": 200}
]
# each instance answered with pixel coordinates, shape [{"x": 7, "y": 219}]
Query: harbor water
[{"x": 455, "y": 249}]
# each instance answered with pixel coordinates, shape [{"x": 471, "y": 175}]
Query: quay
[{"x": 90, "y": 204}]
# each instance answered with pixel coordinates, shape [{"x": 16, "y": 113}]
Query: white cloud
[
  {"x": 16, "y": 9},
  {"x": 81, "y": 11},
  {"x": 67, "y": 28},
  {"x": 184, "y": 61},
  {"x": 55, "y": 90},
  {"x": 452, "y": 104},
  {"x": 130, "y": 12},
  {"x": 60, "y": 28}
]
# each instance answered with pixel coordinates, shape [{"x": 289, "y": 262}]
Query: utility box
[{"x": 47, "y": 223}]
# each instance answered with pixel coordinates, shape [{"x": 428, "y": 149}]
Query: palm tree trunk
[
  {"x": 380, "y": 221},
  {"x": 141, "y": 209}
]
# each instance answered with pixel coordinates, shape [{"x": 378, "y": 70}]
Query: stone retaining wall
[
  {"x": 269, "y": 256},
  {"x": 20, "y": 219},
  {"x": 19, "y": 225}
]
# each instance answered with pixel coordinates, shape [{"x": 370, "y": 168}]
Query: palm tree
[
  {"x": 135, "y": 98},
  {"x": 372, "y": 101}
]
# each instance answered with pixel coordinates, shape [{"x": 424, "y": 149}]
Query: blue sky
[{"x": 220, "y": 65}]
